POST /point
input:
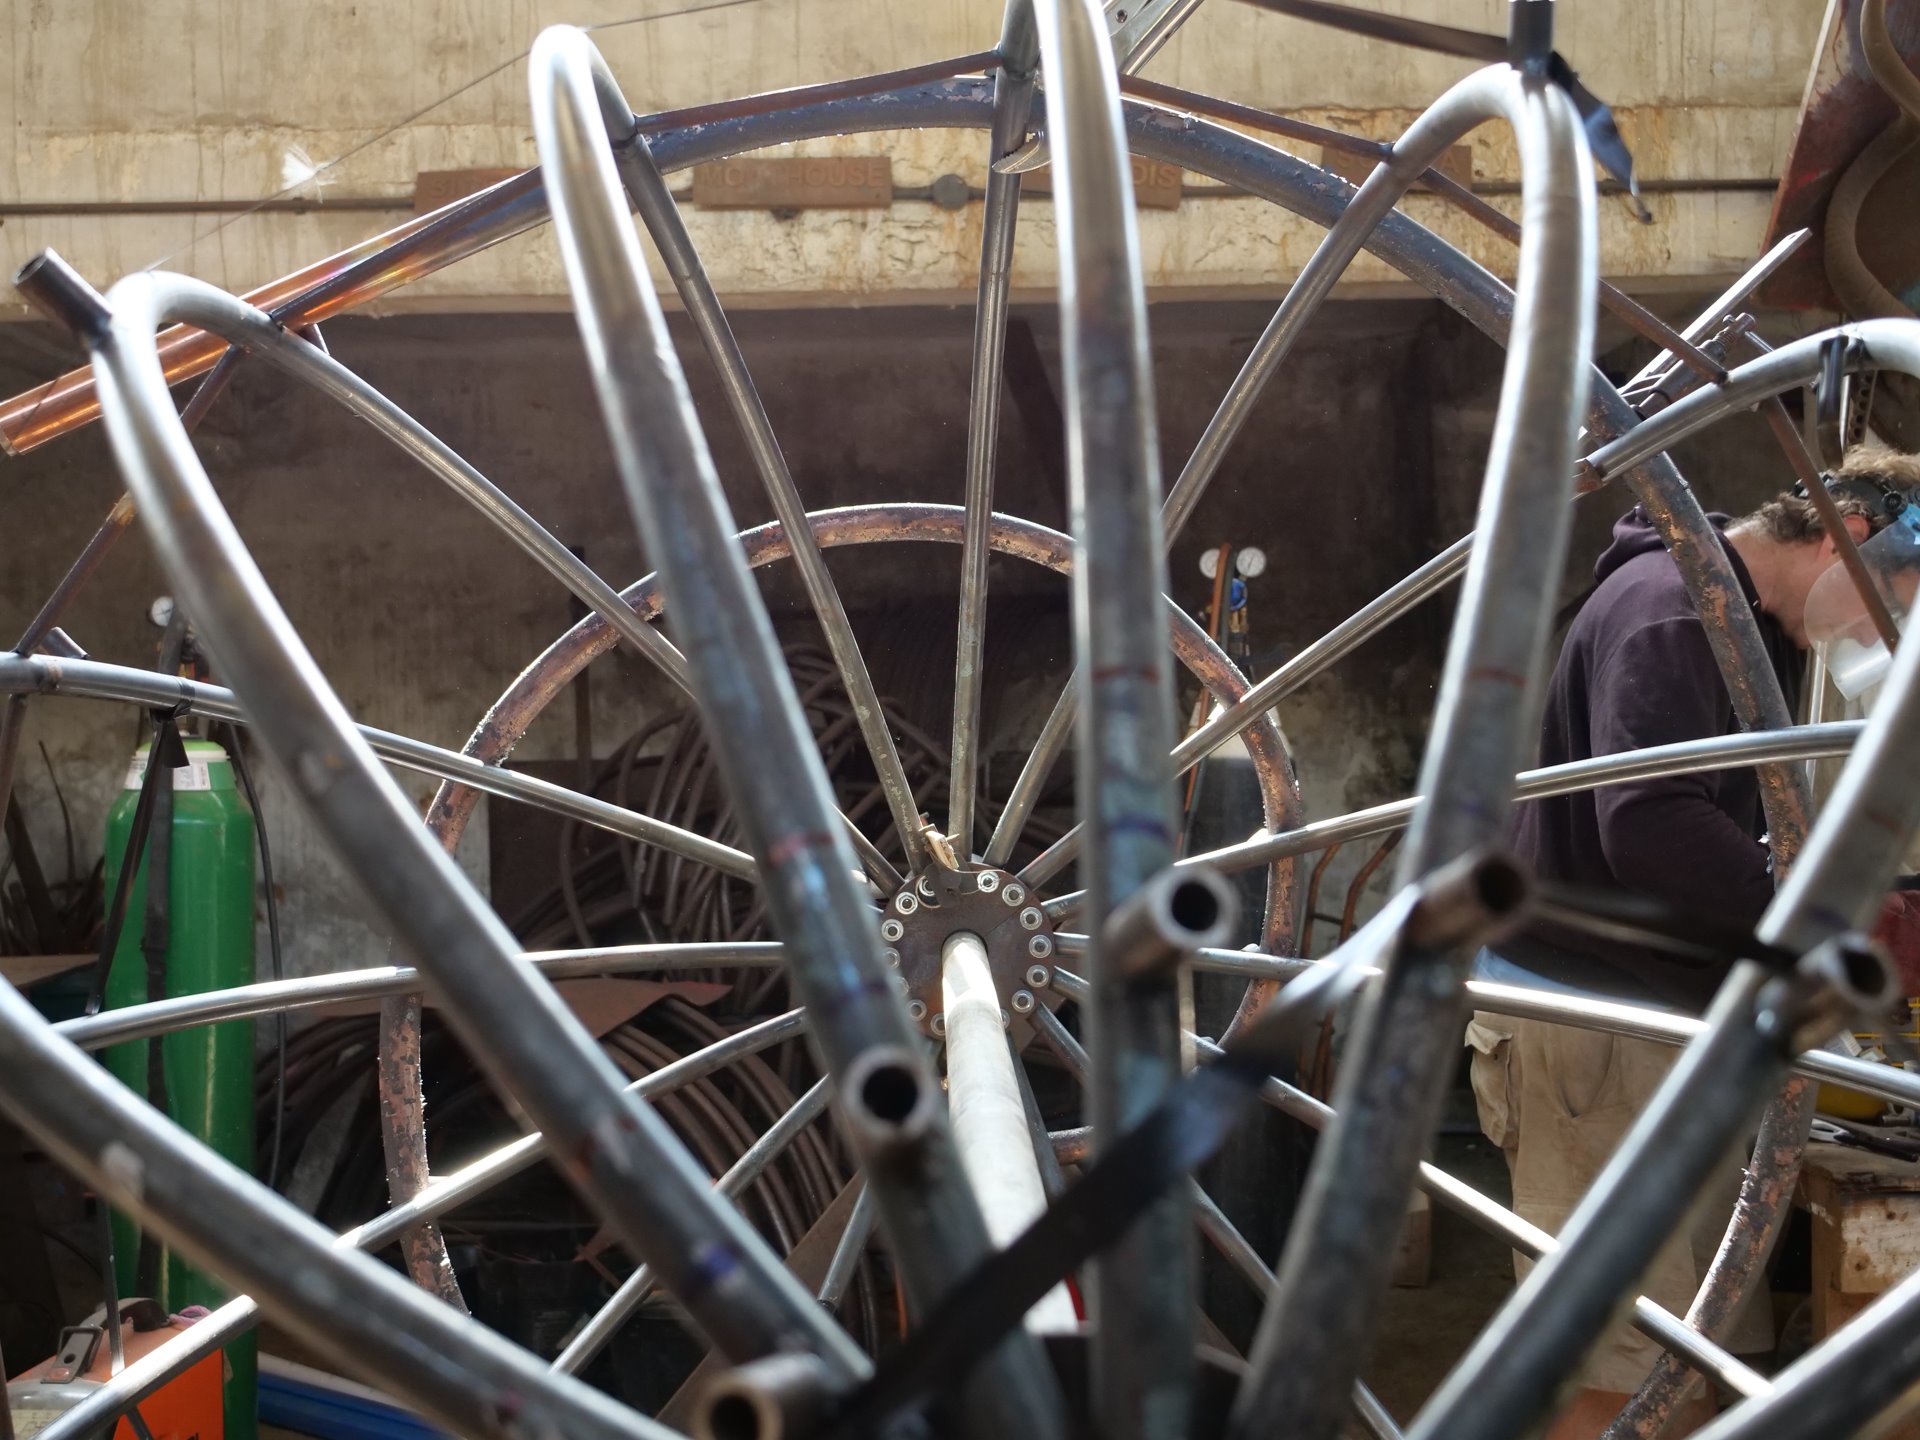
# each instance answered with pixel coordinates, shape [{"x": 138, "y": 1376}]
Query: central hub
[{"x": 989, "y": 903}]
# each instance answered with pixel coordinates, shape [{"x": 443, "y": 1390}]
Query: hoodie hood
[{"x": 1634, "y": 536}]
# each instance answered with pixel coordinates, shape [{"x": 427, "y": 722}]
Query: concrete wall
[{"x": 112, "y": 106}]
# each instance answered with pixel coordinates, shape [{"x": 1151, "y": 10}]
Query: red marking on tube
[
  {"x": 785, "y": 849},
  {"x": 1125, "y": 672},
  {"x": 1495, "y": 673}
]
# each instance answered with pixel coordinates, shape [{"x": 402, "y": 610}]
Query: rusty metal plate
[
  {"x": 808, "y": 182},
  {"x": 1156, "y": 185},
  {"x": 1842, "y": 110}
]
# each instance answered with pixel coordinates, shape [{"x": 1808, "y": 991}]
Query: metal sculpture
[{"x": 965, "y": 1192}]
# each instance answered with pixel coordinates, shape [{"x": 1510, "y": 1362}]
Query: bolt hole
[
  {"x": 1194, "y": 907},
  {"x": 890, "y": 1092},
  {"x": 1866, "y": 972}
]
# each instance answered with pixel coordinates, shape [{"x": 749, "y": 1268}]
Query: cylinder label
[{"x": 197, "y": 774}]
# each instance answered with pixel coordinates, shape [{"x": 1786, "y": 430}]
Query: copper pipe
[{"x": 396, "y": 257}]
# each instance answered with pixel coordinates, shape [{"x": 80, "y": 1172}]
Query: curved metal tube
[
  {"x": 362, "y": 1313},
  {"x": 446, "y": 1193},
  {"x": 605, "y": 1323},
  {"x": 646, "y": 187},
  {"x": 1142, "y": 1291},
  {"x": 1013, "y": 87},
  {"x": 619, "y": 1153},
  {"x": 1508, "y": 1378},
  {"x": 772, "y": 768},
  {"x": 1334, "y": 1267},
  {"x": 309, "y": 992},
  {"x": 94, "y": 680},
  {"x": 208, "y": 308}
]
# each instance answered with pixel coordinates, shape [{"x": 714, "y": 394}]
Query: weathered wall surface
[{"x": 113, "y": 105}]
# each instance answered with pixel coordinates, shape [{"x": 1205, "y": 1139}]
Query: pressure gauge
[
  {"x": 1210, "y": 561},
  {"x": 161, "y": 611},
  {"x": 1250, "y": 561}
]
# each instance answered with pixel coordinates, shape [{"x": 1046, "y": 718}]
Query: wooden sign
[
  {"x": 435, "y": 189},
  {"x": 805, "y": 182},
  {"x": 1156, "y": 184},
  {"x": 1455, "y": 162}
]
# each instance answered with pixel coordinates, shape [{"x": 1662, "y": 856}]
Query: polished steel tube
[
  {"x": 1142, "y": 1288},
  {"x": 92, "y": 679},
  {"x": 348, "y": 1307},
  {"x": 1033, "y": 777},
  {"x": 1013, "y": 88},
  {"x": 444, "y": 1194},
  {"x": 1508, "y": 1379},
  {"x": 988, "y": 1116},
  {"x": 770, "y": 1145},
  {"x": 619, "y": 1153},
  {"x": 771, "y": 766},
  {"x": 646, "y": 187},
  {"x": 307, "y": 992},
  {"x": 1725, "y": 1370},
  {"x": 215, "y": 312},
  {"x": 848, "y": 1250},
  {"x": 1334, "y": 1268}
]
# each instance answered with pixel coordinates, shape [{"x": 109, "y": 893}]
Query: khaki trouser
[{"x": 1558, "y": 1101}]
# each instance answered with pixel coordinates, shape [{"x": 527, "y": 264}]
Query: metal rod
[
  {"x": 364, "y": 1315},
  {"x": 1528, "y": 1239},
  {"x": 773, "y": 770},
  {"x": 1334, "y": 1268},
  {"x": 1033, "y": 777},
  {"x": 92, "y": 679},
  {"x": 987, "y": 1113},
  {"x": 442, "y": 1195},
  {"x": 646, "y": 187},
  {"x": 619, "y": 1153},
  {"x": 848, "y": 1250},
  {"x": 272, "y": 997},
  {"x": 1142, "y": 1288},
  {"x": 1509, "y": 1377},
  {"x": 598, "y": 1332},
  {"x": 1012, "y": 103}
]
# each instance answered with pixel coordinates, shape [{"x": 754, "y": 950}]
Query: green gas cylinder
[{"x": 209, "y": 1070}]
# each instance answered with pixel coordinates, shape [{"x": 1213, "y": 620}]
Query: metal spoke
[
  {"x": 647, "y": 188},
  {"x": 443, "y": 1195},
  {"x": 306, "y": 992},
  {"x": 1142, "y": 1287},
  {"x": 620, "y": 1154},
  {"x": 1334, "y": 1268},
  {"x": 1685, "y": 757},
  {"x": 364, "y": 1315},
  {"x": 848, "y": 1250},
  {"x": 93, "y": 680},
  {"x": 774, "y": 773},
  {"x": 1033, "y": 777},
  {"x": 1730, "y": 1373},
  {"x": 594, "y": 1336},
  {"x": 1752, "y": 1031},
  {"x": 1012, "y": 101}
]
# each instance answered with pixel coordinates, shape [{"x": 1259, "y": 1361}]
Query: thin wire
[{"x": 427, "y": 109}]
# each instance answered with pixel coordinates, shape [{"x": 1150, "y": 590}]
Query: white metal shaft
[{"x": 988, "y": 1117}]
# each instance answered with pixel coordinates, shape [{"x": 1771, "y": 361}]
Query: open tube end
[
  {"x": 58, "y": 291},
  {"x": 889, "y": 1100},
  {"x": 777, "y": 1397},
  {"x": 1180, "y": 910},
  {"x": 1474, "y": 900}
]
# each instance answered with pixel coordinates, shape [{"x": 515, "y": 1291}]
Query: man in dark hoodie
[{"x": 1636, "y": 670}]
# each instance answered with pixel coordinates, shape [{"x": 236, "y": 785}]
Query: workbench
[{"x": 1865, "y": 1209}]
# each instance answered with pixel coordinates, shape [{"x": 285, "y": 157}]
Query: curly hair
[{"x": 1792, "y": 520}]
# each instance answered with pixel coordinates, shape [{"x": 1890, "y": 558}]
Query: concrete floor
[{"x": 1426, "y": 1330}]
